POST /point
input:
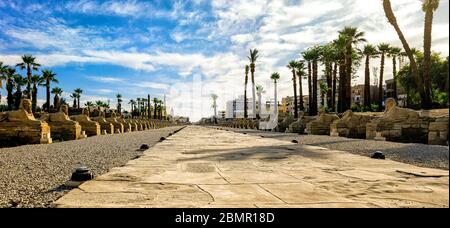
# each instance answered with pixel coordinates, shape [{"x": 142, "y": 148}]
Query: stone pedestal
[
  {"x": 438, "y": 131},
  {"x": 91, "y": 128},
  {"x": 104, "y": 125},
  {"x": 24, "y": 132}
]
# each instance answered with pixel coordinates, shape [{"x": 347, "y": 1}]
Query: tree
[
  {"x": 57, "y": 99},
  {"x": 247, "y": 69},
  {"x": 340, "y": 45},
  {"x": 328, "y": 55},
  {"x": 155, "y": 104},
  {"x": 301, "y": 73},
  {"x": 293, "y": 67},
  {"x": 36, "y": 80},
  {"x": 383, "y": 48},
  {"x": 428, "y": 6},
  {"x": 369, "y": 52},
  {"x": 2, "y": 78},
  {"x": 414, "y": 69},
  {"x": 29, "y": 63},
  {"x": 393, "y": 53},
  {"x": 259, "y": 92},
  {"x": 352, "y": 37},
  {"x": 119, "y": 103},
  {"x": 308, "y": 56},
  {"x": 275, "y": 77},
  {"x": 214, "y": 105},
  {"x": 253, "y": 57},
  {"x": 78, "y": 91},
  {"x": 49, "y": 77},
  {"x": 132, "y": 103},
  {"x": 89, "y": 104},
  {"x": 312, "y": 55},
  {"x": 19, "y": 82},
  {"x": 74, "y": 97},
  {"x": 10, "y": 75}
]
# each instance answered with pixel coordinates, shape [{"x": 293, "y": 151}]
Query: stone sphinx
[
  {"x": 118, "y": 126},
  {"x": 105, "y": 126},
  {"x": 284, "y": 124},
  {"x": 399, "y": 124},
  {"x": 20, "y": 127},
  {"x": 62, "y": 127},
  {"x": 91, "y": 128},
  {"x": 299, "y": 126},
  {"x": 127, "y": 126},
  {"x": 321, "y": 125},
  {"x": 352, "y": 125}
]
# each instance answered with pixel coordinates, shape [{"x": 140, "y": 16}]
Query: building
[
  {"x": 358, "y": 94},
  {"x": 389, "y": 92},
  {"x": 221, "y": 115},
  {"x": 235, "y": 108}
]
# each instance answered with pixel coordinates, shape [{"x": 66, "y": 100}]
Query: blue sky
[{"x": 189, "y": 49}]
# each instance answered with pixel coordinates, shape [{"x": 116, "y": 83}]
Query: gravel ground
[
  {"x": 423, "y": 155},
  {"x": 34, "y": 175}
]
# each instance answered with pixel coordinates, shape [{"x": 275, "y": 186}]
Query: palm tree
[
  {"x": 10, "y": 75},
  {"x": 369, "y": 51},
  {"x": 253, "y": 57},
  {"x": 119, "y": 103},
  {"x": 412, "y": 61},
  {"x": 49, "y": 77},
  {"x": 2, "y": 77},
  {"x": 383, "y": 48},
  {"x": 155, "y": 104},
  {"x": 293, "y": 67},
  {"x": 393, "y": 53},
  {"x": 74, "y": 97},
  {"x": 214, "y": 105},
  {"x": 328, "y": 55},
  {"x": 259, "y": 92},
  {"x": 78, "y": 91},
  {"x": 149, "y": 111},
  {"x": 19, "y": 82},
  {"x": 29, "y": 63},
  {"x": 36, "y": 80},
  {"x": 314, "y": 53},
  {"x": 428, "y": 6},
  {"x": 132, "y": 103},
  {"x": 57, "y": 99},
  {"x": 352, "y": 37},
  {"x": 323, "y": 90},
  {"x": 138, "y": 100},
  {"x": 247, "y": 69},
  {"x": 340, "y": 45},
  {"x": 89, "y": 104},
  {"x": 301, "y": 73},
  {"x": 308, "y": 56},
  {"x": 275, "y": 77}
]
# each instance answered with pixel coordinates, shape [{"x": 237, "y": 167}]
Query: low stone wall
[{"x": 438, "y": 131}]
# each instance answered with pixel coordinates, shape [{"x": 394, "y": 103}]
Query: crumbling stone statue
[
  {"x": 20, "y": 127},
  {"x": 91, "y": 128},
  {"x": 63, "y": 128}
]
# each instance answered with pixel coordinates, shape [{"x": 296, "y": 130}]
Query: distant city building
[
  {"x": 358, "y": 94},
  {"x": 221, "y": 114}
]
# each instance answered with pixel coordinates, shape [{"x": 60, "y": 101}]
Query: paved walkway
[{"x": 204, "y": 167}]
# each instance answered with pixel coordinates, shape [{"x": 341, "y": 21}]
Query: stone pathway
[{"x": 204, "y": 167}]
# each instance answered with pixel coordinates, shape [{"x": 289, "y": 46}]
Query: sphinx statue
[
  {"x": 105, "y": 126},
  {"x": 321, "y": 125},
  {"x": 352, "y": 125},
  {"x": 399, "y": 124},
  {"x": 118, "y": 126},
  {"x": 21, "y": 127},
  {"x": 91, "y": 128},
  {"x": 127, "y": 126},
  {"x": 63, "y": 128}
]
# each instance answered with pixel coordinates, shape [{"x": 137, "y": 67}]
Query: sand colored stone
[
  {"x": 62, "y": 127},
  {"x": 205, "y": 167},
  {"x": 20, "y": 127},
  {"x": 91, "y": 128},
  {"x": 352, "y": 125}
]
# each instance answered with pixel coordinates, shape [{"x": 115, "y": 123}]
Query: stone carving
[
  {"x": 20, "y": 127},
  {"x": 351, "y": 125},
  {"x": 105, "y": 126},
  {"x": 299, "y": 126},
  {"x": 399, "y": 124},
  {"x": 118, "y": 126},
  {"x": 321, "y": 125},
  {"x": 284, "y": 125},
  {"x": 91, "y": 128},
  {"x": 63, "y": 128}
]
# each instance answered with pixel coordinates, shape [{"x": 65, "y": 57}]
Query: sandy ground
[{"x": 204, "y": 167}]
